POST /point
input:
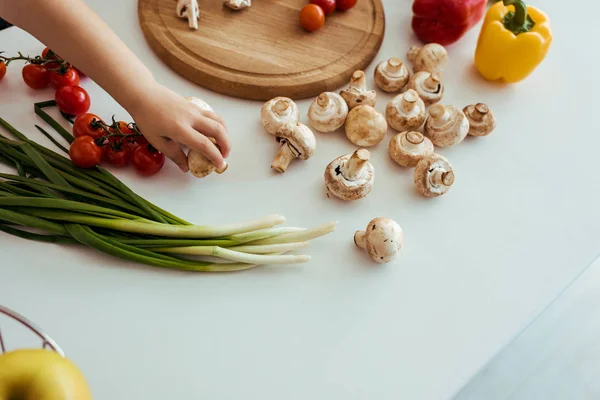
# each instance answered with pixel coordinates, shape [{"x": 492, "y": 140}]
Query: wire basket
[{"x": 47, "y": 342}]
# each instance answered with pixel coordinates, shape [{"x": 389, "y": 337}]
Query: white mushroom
[
  {"x": 365, "y": 127},
  {"x": 357, "y": 94},
  {"x": 328, "y": 112},
  {"x": 408, "y": 148},
  {"x": 446, "y": 125},
  {"x": 297, "y": 141},
  {"x": 431, "y": 58},
  {"x": 428, "y": 86},
  {"x": 406, "y": 111},
  {"x": 391, "y": 75},
  {"x": 481, "y": 119},
  {"x": 351, "y": 176},
  {"x": 277, "y": 112},
  {"x": 433, "y": 176},
  {"x": 382, "y": 239},
  {"x": 237, "y": 4},
  {"x": 200, "y": 103},
  {"x": 189, "y": 9}
]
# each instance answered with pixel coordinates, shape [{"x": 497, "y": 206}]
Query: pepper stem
[{"x": 518, "y": 21}]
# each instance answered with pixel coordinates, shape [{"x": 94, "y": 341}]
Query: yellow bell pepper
[{"x": 513, "y": 41}]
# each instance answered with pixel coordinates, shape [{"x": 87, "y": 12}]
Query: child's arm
[{"x": 77, "y": 34}]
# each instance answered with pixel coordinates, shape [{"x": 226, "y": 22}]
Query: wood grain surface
[{"x": 262, "y": 52}]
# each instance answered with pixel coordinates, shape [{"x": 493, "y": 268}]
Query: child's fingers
[
  {"x": 204, "y": 145},
  {"x": 173, "y": 151},
  {"x": 211, "y": 128},
  {"x": 216, "y": 117}
]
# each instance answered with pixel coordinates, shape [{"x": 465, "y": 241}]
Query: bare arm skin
[{"x": 77, "y": 34}]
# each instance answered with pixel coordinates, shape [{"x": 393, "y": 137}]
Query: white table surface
[{"x": 521, "y": 221}]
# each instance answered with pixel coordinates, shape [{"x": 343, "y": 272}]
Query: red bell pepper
[{"x": 445, "y": 21}]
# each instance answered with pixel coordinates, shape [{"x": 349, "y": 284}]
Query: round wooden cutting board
[{"x": 262, "y": 52}]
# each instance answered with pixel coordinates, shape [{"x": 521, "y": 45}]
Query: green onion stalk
[{"x": 48, "y": 199}]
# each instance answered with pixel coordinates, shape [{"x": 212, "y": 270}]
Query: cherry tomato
[
  {"x": 147, "y": 160},
  {"x": 68, "y": 78},
  {"x": 138, "y": 141},
  {"x": 123, "y": 128},
  {"x": 84, "y": 152},
  {"x": 36, "y": 76},
  {"x": 2, "y": 70},
  {"x": 81, "y": 74},
  {"x": 72, "y": 100},
  {"x": 327, "y": 5},
  {"x": 82, "y": 126},
  {"x": 117, "y": 154},
  {"x": 344, "y": 5},
  {"x": 312, "y": 17},
  {"x": 47, "y": 53}
]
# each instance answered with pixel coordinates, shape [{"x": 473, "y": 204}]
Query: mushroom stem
[
  {"x": 359, "y": 81},
  {"x": 352, "y": 169},
  {"x": 359, "y": 239},
  {"x": 409, "y": 101},
  {"x": 440, "y": 113},
  {"x": 412, "y": 53},
  {"x": 441, "y": 177},
  {"x": 479, "y": 111},
  {"x": 394, "y": 64},
  {"x": 323, "y": 100},
  {"x": 412, "y": 140},
  {"x": 281, "y": 107},
  {"x": 284, "y": 157},
  {"x": 432, "y": 83}
]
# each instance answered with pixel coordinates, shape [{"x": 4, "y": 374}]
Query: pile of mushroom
[
  {"x": 405, "y": 111},
  {"x": 357, "y": 94},
  {"x": 446, "y": 125},
  {"x": 277, "y": 112},
  {"x": 351, "y": 176},
  {"x": 408, "y": 148},
  {"x": 391, "y": 75},
  {"x": 430, "y": 58},
  {"x": 428, "y": 86},
  {"x": 189, "y": 10},
  {"x": 365, "y": 126},
  {"x": 481, "y": 119},
  {"x": 328, "y": 112},
  {"x": 237, "y": 5},
  {"x": 382, "y": 239},
  {"x": 297, "y": 141},
  {"x": 433, "y": 175}
]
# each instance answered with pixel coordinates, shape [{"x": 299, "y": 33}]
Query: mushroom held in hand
[
  {"x": 350, "y": 177},
  {"x": 277, "y": 112},
  {"x": 433, "y": 176},
  {"x": 297, "y": 141},
  {"x": 237, "y": 4},
  {"x": 382, "y": 239},
  {"x": 365, "y": 126},
  {"x": 200, "y": 103},
  {"x": 446, "y": 125},
  {"x": 405, "y": 111},
  {"x": 357, "y": 93},
  {"x": 328, "y": 112},
  {"x": 428, "y": 86},
  {"x": 189, "y": 9},
  {"x": 391, "y": 75},
  {"x": 481, "y": 119},
  {"x": 408, "y": 148},
  {"x": 430, "y": 58}
]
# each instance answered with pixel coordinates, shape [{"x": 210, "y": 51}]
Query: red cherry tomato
[
  {"x": 344, "y": 5},
  {"x": 327, "y": 5},
  {"x": 82, "y": 126},
  {"x": 68, "y": 78},
  {"x": 138, "y": 141},
  {"x": 312, "y": 17},
  {"x": 117, "y": 152},
  {"x": 2, "y": 70},
  {"x": 147, "y": 160},
  {"x": 47, "y": 53},
  {"x": 72, "y": 100},
  {"x": 84, "y": 152},
  {"x": 36, "y": 76}
]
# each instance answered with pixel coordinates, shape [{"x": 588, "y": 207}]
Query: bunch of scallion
[{"x": 49, "y": 199}]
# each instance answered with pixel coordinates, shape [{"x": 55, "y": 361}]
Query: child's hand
[{"x": 169, "y": 122}]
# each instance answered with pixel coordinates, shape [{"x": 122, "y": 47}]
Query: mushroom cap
[
  {"x": 199, "y": 103},
  {"x": 384, "y": 238},
  {"x": 428, "y": 95},
  {"x": 481, "y": 119},
  {"x": 237, "y": 4},
  {"x": 182, "y": 6},
  {"x": 299, "y": 138},
  {"x": 424, "y": 172},
  {"x": 401, "y": 120},
  {"x": 328, "y": 112},
  {"x": 343, "y": 188},
  {"x": 432, "y": 57},
  {"x": 357, "y": 94},
  {"x": 391, "y": 75},
  {"x": 200, "y": 166},
  {"x": 278, "y": 112},
  {"x": 365, "y": 127},
  {"x": 446, "y": 132},
  {"x": 408, "y": 148}
]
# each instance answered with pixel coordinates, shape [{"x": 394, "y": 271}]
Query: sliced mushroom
[
  {"x": 382, "y": 239},
  {"x": 277, "y": 112},
  {"x": 481, "y": 119},
  {"x": 351, "y": 176},
  {"x": 328, "y": 112},
  {"x": 237, "y": 4},
  {"x": 391, "y": 75},
  {"x": 189, "y": 9},
  {"x": 446, "y": 125},
  {"x": 365, "y": 127},
  {"x": 428, "y": 86},
  {"x": 433, "y": 175},
  {"x": 430, "y": 58},
  {"x": 408, "y": 148},
  {"x": 297, "y": 141},
  {"x": 357, "y": 94},
  {"x": 405, "y": 111}
]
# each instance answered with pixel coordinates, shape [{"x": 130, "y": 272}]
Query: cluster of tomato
[{"x": 312, "y": 16}]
